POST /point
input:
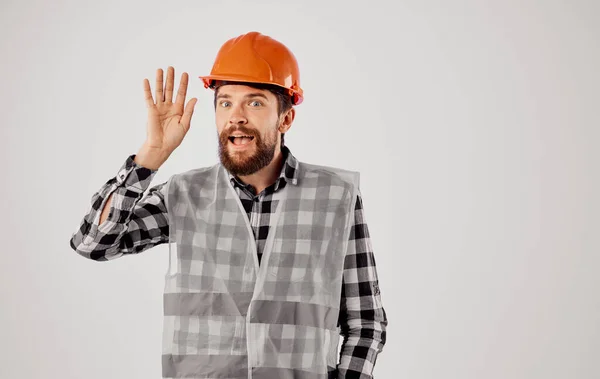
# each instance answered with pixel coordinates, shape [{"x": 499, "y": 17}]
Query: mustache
[{"x": 241, "y": 129}]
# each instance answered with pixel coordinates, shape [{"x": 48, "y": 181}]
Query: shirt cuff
[{"x": 133, "y": 176}]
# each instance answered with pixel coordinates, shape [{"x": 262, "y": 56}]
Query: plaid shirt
[{"x": 137, "y": 223}]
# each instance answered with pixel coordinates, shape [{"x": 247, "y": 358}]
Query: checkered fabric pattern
[
  {"x": 137, "y": 222},
  {"x": 289, "y": 299}
]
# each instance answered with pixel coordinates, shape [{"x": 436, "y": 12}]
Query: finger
[
  {"x": 148, "y": 94},
  {"x": 169, "y": 87},
  {"x": 159, "y": 86},
  {"x": 187, "y": 114},
  {"x": 182, "y": 91}
]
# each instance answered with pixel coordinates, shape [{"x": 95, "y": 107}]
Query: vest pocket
[
  {"x": 210, "y": 335},
  {"x": 290, "y": 347}
]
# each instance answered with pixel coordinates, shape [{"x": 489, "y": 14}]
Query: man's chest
[{"x": 259, "y": 210}]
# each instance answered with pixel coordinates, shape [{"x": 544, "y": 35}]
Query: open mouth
[{"x": 240, "y": 140}]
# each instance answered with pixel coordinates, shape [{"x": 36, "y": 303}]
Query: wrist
[{"x": 150, "y": 158}]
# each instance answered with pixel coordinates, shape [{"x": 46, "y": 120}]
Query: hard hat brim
[{"x": 207, "y": 80}]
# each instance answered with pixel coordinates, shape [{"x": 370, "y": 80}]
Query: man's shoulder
[
  {"x": 198, "y": 174},
  {"x": 314, "y": 170}
]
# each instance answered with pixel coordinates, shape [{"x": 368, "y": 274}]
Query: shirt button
[{"x": 121, "y": 176}]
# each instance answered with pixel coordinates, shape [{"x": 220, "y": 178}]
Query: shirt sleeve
[
  {"x": 362, "y": 320},
  {"x": 135, "y": 222}
]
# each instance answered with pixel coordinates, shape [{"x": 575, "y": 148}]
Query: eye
[
  {"x": 258, "y": 103},
  {"x": 224, "y": 103}
]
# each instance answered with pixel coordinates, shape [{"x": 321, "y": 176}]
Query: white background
[{"x": 474, "y": 125}]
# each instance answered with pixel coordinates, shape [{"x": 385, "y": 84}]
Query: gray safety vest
[{"x": 227, "y": 317}]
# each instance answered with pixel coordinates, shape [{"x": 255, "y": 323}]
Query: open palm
[{"x": 168, "y": 121}]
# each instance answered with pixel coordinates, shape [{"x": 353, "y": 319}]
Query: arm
[
  {"x": 135, "y": 222},
  {"x": 362, "y": 319}
]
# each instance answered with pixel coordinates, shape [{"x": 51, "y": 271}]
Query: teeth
[{"x": 241, "y": 140}]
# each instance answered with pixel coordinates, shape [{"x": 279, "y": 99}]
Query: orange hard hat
[{"x": 257, "y": 58}]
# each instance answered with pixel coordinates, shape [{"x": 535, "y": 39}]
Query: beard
[{"x": 246, "y": 162}]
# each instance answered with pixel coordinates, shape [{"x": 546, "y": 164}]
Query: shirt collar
[{"x": 289, "y": 170}]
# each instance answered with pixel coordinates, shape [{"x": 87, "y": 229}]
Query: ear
[{"x": 286, "y": 121}]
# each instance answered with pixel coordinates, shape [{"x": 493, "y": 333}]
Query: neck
[{"x": 267, "y": 175}]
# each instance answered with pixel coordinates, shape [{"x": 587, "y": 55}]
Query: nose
[{"x": 237, "y": 116}]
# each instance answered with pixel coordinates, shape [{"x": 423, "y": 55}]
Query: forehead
[{"x": 240, "y": 90}]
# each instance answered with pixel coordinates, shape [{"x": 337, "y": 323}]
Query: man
[{"x": 272, "y": 259}]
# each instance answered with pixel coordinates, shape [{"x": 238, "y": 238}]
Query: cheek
[
  {"x": 265, "y": 123},
  {"x": 220, "y": 116},
  {"x": 220, "y": 124}
]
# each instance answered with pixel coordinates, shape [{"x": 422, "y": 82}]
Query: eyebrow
[{"x": 255, "y": 94}]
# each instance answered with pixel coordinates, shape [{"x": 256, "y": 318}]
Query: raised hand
[{"x": 168, "y": 121}]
